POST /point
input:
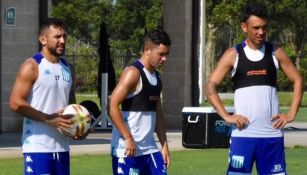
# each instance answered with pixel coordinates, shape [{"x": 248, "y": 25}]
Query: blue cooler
[{"x": 202, "y": 127}]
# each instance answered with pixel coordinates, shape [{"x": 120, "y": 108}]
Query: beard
[{"x": 57, "y": 52}]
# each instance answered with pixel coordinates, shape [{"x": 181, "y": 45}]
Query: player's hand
[
  {"x": 280, "y": 120},
  {"x": 60, "y": 121},
  {"x": 130, "y": 147},
  {"x": 240, "y": 121},
  {"x": 166, "y": 155}
]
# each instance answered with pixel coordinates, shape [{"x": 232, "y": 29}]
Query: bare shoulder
[
  {"x": 28, "y": 69},
  {"x": 29, "y": 63},
  {"x": 130, "y": 76},
  {"x": 229, "y": 56},
  {"x": 281, "y": 54},
  {"x": 130, "y": 72}
]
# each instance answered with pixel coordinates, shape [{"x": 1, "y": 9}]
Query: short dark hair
[
  {"x": 51, "y": 22},
  {"x": 158, "y": 36},
  {"x": 256, "y": 9}
]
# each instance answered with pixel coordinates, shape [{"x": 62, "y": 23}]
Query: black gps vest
[
  {"x": 146, "y": 99},
  {"x": 253, "y": 73}
]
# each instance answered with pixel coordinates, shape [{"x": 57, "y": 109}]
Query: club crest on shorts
[
  {"x": 133, "y": 171},
  {"x": 237, "y": 161}
]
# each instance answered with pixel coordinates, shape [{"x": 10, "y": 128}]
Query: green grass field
[{"x": 186, "y": 162}]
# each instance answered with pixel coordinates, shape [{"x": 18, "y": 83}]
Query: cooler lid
[{"x": 208, "y": 109}]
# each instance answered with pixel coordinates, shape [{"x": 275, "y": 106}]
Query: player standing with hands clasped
[
  {"x": 134, "y": 150},
  {"x": 257, "y": 122},
  {"x": 44, "y": 86}
]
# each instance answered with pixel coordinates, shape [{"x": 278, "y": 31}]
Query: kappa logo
[
  {"x": 29, "y": 169},
  {"x": 47, "y": 72},
  {"x": 120, "y": 171},
  {"x": 28, "y": 132},
  {"x": 28, "y": 159},
  {"x": 121, "y": 160},
  {"x": 237, "y": 161}
]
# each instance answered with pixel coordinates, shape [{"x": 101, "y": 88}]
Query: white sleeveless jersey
[
  {"x": 49, "y": 94},
  {"x": 259, "y": 103},
  {"x": 141, "y": 124}
]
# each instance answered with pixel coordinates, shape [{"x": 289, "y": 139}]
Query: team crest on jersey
[{"x": 66, "y": 75}]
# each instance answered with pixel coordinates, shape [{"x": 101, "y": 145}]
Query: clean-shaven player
[
  {"x": 257, "y": 122},
  {"x": 134, "y": 150}
]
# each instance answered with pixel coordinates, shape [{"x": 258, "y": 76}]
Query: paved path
[{"x": 99, "y": 142}]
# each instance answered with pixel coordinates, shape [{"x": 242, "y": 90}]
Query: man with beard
[
  {"x": 44, "y": 86},
  {"x": 257, "y": 134}
]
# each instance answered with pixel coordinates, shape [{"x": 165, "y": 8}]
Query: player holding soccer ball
[
  {"x": 257, "y": 134},
  {"x": 134, "y": 149},
  {"x": 43, "y": 87}
]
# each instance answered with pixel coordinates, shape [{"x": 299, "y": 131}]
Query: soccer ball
[{"x": 81, "y": 120}]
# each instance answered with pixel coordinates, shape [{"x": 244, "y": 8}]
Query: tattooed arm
[{"x": 224, "y": 66}]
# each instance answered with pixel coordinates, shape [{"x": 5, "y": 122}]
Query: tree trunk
[
  {"x": 298, "y": 52},
  {"x": 297, "y": 63},
  {"x": 210, "y": 51}
]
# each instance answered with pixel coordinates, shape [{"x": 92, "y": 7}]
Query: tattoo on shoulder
[{"x": 210, "y": 88}]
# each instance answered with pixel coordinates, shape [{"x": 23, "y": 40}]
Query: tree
[
  {"x": 126, "y": 21},
  {"x": 83, "y": 17},
  {"x": 292, "y": 18},
  {"x": 130, "y": 20},
  {"x": 218, "y": 14}
]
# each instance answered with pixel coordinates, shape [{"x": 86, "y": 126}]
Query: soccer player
[
  {"x": 134, "y": 150},
  {"x": 257, "y": 122},
  {"x": 44, "y": 86}
]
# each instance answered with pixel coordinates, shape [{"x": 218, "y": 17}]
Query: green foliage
[
  {"x": 126, "y": 20},
  {"x": 84, "y": 59},
  {"x": 224, "y": 12},
  {"x": 129, "y": 22},
  {"x": 283, "y": 83},
  {"x": 227, "y": 85},
  {"x": 83, "y": 17},
  {"x": 303, "y": 73}
]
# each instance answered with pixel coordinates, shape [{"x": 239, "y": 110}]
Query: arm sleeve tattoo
[{"x": 210, "y": 88}]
